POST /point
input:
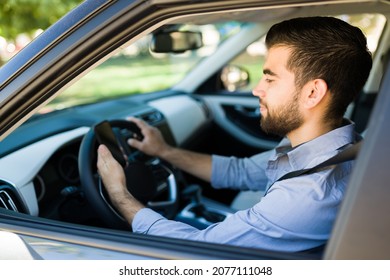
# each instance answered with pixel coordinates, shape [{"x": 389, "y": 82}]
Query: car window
[
  {"x": 252, "y": 59},
  {"x": 138, "y": 70}
]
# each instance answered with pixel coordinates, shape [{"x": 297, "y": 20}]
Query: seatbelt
[{"x": 347, "y": 154}]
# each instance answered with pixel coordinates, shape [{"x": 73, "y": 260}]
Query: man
[{"x": 314, "y": 68}]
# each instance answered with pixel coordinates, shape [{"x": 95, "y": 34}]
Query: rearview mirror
[{"x": 176, "y": 41}]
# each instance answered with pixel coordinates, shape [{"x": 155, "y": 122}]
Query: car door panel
[{"x": 239, "y": 116}]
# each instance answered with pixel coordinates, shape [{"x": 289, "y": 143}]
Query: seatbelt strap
[{"x": 347, "y": 154}]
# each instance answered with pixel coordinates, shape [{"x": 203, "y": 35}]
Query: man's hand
[
  {"x": 153, "y": 142},
  {"x": 114, "y": 180}
]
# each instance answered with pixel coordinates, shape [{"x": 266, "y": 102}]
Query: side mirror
[
  {"x": 234, "y": 77},
  {"x": 176, "y": 41}
]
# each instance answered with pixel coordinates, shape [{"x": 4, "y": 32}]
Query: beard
[{"x": 283, "y": 119}]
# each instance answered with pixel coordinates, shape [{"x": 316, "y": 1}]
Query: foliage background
[{"x": 27, "y": 16}]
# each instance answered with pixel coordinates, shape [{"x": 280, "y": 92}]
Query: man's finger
[
  {"x": 140, "y": 123},
  {"x": 134, "y": 143},
  {"x": 103, "y": 151},
  {"x": 104, "y": 155}
]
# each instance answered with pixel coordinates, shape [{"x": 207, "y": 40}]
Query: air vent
[
  {"x": 10, "y": 199},
  {"x": 152, "y": 117},
  {"x": 7, "y": 202}
]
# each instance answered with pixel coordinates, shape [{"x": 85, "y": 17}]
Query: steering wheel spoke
[{"x": 166, "y": 190}]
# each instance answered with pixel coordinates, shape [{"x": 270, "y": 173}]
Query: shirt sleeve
[
  {"x": 281, "y": 220},
  {"x": 240, "y": 173}
]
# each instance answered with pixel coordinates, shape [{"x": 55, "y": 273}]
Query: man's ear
[{"x": 315, "y": 92}]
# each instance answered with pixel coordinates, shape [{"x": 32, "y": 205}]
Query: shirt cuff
[
  {"x": 218, "y": 165},
  {"x": 144, "y": 219}
]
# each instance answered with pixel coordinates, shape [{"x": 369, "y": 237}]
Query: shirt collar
[{"x": 317, "y": 150}]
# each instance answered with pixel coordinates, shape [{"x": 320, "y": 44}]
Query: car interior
[{"x": 48, "y": 164}]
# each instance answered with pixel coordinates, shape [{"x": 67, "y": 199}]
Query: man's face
[{"x": 279, "y": 98}]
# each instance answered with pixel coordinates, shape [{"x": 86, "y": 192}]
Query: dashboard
[{"x": 39, "y": 164}]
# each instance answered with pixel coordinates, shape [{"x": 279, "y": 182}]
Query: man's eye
[{"x": 268, "y": 81}]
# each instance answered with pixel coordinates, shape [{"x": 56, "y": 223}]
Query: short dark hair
[{"x": 326, "y": 48}]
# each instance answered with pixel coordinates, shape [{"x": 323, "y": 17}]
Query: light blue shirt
[{"x": 296, "y": 214}]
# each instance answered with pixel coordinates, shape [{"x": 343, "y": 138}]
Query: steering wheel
[{"x": 148, "y": 179}]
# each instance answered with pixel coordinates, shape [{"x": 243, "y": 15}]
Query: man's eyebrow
[{"x": 269, "y": 72}]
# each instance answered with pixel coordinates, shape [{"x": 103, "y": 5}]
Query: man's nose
[{"x": 258, "y": 90}]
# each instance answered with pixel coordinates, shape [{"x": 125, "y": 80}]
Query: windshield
[{"x": 138, "y": 70}]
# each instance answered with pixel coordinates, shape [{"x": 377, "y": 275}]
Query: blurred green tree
[{"x": 27, "y": 16}]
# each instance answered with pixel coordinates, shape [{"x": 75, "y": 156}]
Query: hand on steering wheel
[{"x": 146, "y": 178}]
